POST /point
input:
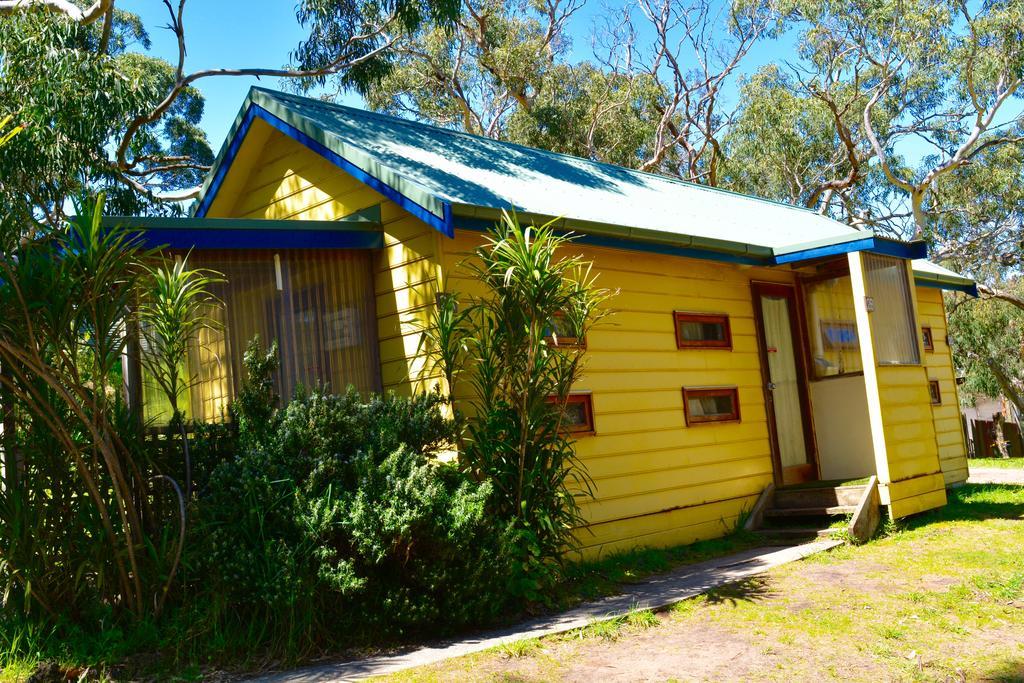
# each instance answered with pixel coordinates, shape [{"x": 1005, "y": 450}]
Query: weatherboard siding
[
  {"x": 915, "y": 481},
  {"x": 949, "y": 433},
  {"x": 657, "y": 481},
  {"x": 284, "y": 180}
]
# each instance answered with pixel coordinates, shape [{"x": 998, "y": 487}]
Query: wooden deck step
[
  {"x": 797, "y": 532},
  {"x": 830, "y": 511},
  {"x": 825, "y": 496}
]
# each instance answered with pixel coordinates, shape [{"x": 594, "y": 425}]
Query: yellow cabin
[{"x": 754, "y": 345}]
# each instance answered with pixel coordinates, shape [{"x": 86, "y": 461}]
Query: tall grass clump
[{"x": 90, "y": 521}]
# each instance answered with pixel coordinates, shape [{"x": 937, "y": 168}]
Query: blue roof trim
[
  {"x": 225, "y": 164},
  {"x": 971, "y": 289},
  {"x": 199, "y": 238},
  {"x": 878, "y": 245},
  {"x": 828, "y": 250},
  {"x": 483, "y": 224},
  {"x": 443, "y": 224},
  {"x": 907, "y": 250}
]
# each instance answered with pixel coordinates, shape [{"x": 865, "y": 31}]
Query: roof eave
[
  {"x": 473, "y": 217},
  {"x": 946, "y": 282}
]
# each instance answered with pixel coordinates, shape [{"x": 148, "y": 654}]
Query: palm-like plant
[
  {"x": 173, "y": 311},
  {"x": 78, "y": 524},
  {"x": 522, "y": 383}
]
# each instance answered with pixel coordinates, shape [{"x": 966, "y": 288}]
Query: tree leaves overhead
[
  {"x": 332, "y": 24},
  {"x": 100, "y": 111}
]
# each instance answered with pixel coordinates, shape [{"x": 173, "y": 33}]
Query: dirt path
[
  {"x": 996, "y": 475},
  {"x": 942, "y": 600}
]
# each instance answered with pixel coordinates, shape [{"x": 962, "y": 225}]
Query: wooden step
[
  {"x": 798, "y": 532},
  {"x": 830, "y": 511},
  {"x": 826, "y": 496}
]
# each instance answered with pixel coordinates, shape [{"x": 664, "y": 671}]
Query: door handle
[{"x": 770, "y": 386}]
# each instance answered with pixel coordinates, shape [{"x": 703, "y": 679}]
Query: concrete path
[
  {"x": 655, "y": 593},
  {"x": 995, "y": 475}
]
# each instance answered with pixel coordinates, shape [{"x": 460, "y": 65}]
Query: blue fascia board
[
  {"x": 970, "y": 289},
  {"x": 907, "y": 250},
  {"x": 873, "y": 244},
  {"x": 825, "y": 251},
  {"x": 443, "y": 224},
  {"x": 261, "y": 239},
  {"x": 224, "y": 164}
]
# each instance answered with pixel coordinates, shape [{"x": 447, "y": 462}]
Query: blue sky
[
  {"x": 261, "y": 33},
  {"x": 249, "y": 33}
]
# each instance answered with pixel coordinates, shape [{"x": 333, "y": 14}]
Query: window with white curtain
[
  {"x": 832, "y": 327},
  {"x": 893, "y": 328},
  {"x": 318, "y": 305}
]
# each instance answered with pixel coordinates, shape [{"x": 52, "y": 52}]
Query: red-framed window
[
  {"x": 927, "y": 339},
  {"x": 578, "y": 418},
  {"x": 934, "y": 392},
  {"x": 711, "y": 404},
  {"x": 702, "y": 330}
]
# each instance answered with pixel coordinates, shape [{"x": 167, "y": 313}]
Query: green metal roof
[{"x": 447, "y": 175}]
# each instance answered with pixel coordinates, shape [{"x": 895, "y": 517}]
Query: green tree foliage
[
  {"x": 99, "y": 111},
  {"x": 986, "y": 335},
  {"x": 74, "y": 88}
]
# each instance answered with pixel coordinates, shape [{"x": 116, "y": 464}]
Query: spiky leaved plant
[
  {"x": 76, "y": 514},
  {"x": 175, "y": 308},
  {"x": 521, "y": 379}
]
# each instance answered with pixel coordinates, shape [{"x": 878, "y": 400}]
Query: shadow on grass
[
  {"x": 606, "y": 576},
  {"x": 1005, "y": 672},
  {"x": 975, "y": 502},
  {"x": 754, "y": 589}
]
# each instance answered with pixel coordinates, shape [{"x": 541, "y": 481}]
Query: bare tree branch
[{"x": 66, "y": 7}]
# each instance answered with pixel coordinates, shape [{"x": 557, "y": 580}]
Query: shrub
[{"x": 334, "y": 521}]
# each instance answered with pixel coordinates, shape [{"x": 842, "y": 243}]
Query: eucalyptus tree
[
  {"x": 98, "y": 109},
  {"x": 650, "y": 93},
  {"x": 504, "y": 71},
  {"x": 919, "y": 91}
]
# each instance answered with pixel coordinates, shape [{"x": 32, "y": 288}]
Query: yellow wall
[
  {"x": 657, "y": 481},
  {"x": 949, "y": 433},
  {"x": 275, "y": 177}
]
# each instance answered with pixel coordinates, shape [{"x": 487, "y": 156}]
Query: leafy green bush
[{"x": 333, "y": 519}]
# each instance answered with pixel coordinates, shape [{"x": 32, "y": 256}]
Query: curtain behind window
[
  {"x": 894, "y": 330},
  {"x": 832, "y": 327},
  {"x": 318, "y": 305}
]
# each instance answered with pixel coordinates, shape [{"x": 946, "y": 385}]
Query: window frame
[
  {"x": 586, "y": 398},
  {"x": 927, "y": 338},
  {"x": 871, "y": 263},
  {"x": 566, "y": 342},
  {"x": 697, "y": 317},
  {"x": 934, "y": 392},
  {"x": 696, "y": 392}
]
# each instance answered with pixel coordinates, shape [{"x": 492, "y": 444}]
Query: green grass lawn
[
  {"x": 938, "y": 598},
  {"x": 1002, "y": 463}
]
